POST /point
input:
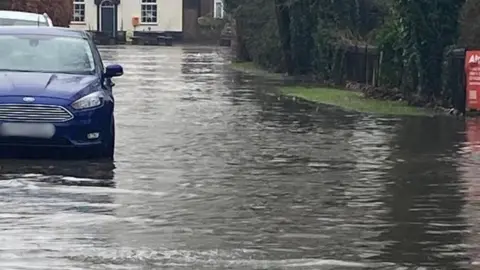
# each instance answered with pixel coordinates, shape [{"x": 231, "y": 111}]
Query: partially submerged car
[
  {"x": 20, "y": 18},
  {"x": 55, "y": 91}
]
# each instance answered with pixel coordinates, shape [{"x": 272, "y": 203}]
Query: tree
[
  {"x": 282, "y": 12},
  {"x": 311, "y": 37},
  {"x": 470, "y": 25},
  {"x": 428, "y": 27},
  {"x": 60, "y": 11}
]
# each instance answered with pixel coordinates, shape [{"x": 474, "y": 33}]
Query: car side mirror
[{"x": 113, "y": 71}]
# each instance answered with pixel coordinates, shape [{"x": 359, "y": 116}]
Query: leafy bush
[{"x": 311, "y": 37}]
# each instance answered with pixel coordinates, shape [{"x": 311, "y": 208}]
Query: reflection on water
[
  {"x": 470, "y": 171},
  {"x": 213, "y": 172},
  {"x": 425, "y": 196},
  {"x": 99, "y": 170}
]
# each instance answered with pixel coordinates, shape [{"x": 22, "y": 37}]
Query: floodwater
[{"x": 212, "y": 172}]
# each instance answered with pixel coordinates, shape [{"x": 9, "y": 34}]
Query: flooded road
[{"x": 212, "y": 173}]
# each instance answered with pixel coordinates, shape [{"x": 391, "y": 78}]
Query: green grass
[
  {"x": 245, "y": 66},
  {"x": 253, "y": 69},
  {"x": 348, "y": 100},
  {"x": 351, "y": 100}
]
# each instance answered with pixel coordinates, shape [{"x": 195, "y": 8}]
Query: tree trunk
[
  {"x": 282, "y": 12},
  {"x": 239, "y": 47}
]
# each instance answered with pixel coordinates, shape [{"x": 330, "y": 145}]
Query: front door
[{"x": 107, "y": 18}]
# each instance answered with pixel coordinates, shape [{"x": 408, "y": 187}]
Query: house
[
  {"x": 112, "y": 16},
  {"x": 192, "y": 10}
]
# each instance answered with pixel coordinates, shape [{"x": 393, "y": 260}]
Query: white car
[{"x": 20, "y": 18}]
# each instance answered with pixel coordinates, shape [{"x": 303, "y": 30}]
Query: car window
[
  {"x": 96, "y": 55},
  {"x": 18, "y": 22},
  {"x": 39, "y": 53}
]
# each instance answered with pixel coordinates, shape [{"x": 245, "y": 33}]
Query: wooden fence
[{"x": 363, "y": 64}]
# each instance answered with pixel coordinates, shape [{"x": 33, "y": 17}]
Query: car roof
[
  {"x": 47, "y": 31},
  {"x": 21, "y": 15}
]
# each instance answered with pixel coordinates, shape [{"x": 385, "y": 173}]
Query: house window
[
  {"x": 149, "y": 11},
  {"x": 78, "y": 11},
  {"x": 218, "y": 10}
]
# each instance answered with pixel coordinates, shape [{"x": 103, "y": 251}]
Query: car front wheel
[{"x": 108, "y": 145}]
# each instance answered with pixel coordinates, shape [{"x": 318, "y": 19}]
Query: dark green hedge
[{"x": 311, "y": 36}]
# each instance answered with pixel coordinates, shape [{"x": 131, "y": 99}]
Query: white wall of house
[
  {"x": 168, "y": 16},
  {"x": 84, "y": 15},
  {"x": 218, "y": 9}
]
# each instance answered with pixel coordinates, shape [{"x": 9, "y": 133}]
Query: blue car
[{"x": 55, "y": 91}]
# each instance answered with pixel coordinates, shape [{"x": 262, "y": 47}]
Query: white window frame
[
  {"x": 216, "y": 15},
  {"x": 153, "y": 6},
  {"x": 81, "y": 5}
]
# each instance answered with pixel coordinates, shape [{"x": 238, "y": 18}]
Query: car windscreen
[
  {"x": 19, "y": 22},
  {"x": 43, "y": 53}
]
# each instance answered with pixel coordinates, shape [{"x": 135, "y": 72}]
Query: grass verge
[
  {"x": 351, "y": 100},
  {"x": 348, "y": 100},
  {"x": 251, "y": 68}
]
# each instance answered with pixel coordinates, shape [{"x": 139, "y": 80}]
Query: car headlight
[{"x": 89, "y": 101}]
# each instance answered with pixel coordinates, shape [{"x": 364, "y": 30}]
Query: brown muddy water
[{"x": 213, "y": 173}]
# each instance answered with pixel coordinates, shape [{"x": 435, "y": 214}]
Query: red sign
[
  {"x": 472, "y": 71},
  {"x": 473, "y": 134}
]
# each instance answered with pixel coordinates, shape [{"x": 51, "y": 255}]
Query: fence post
[
  {"x": 374, "y": 69},
  {"x": 379, "y": 61},
  {"x": 367, "y": 69},
  {"x": 463, "y": 84}
]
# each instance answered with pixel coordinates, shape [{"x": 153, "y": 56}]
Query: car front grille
[{"x": 34, "y": 113}]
